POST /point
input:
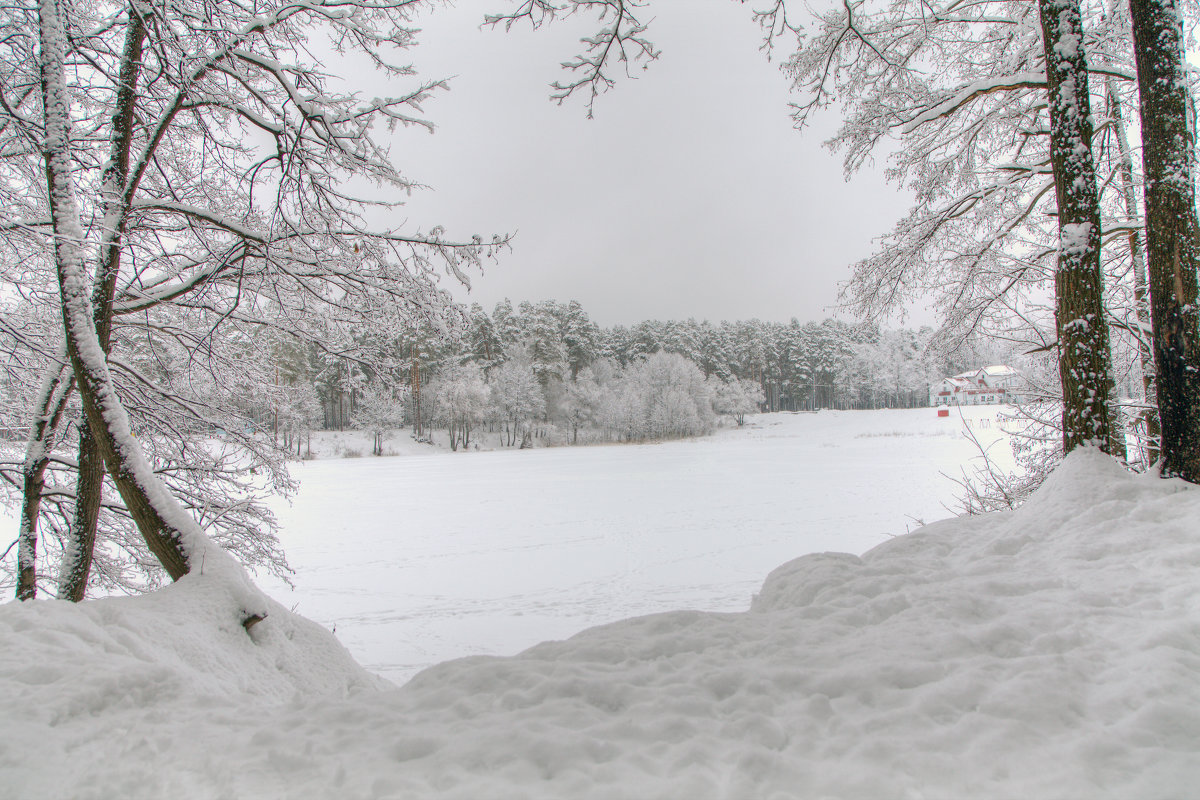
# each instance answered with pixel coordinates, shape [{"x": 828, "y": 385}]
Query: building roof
[{"x": 991, "y": 371}]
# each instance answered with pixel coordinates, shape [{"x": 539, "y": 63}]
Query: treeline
[{"x": 527, "y": 368}]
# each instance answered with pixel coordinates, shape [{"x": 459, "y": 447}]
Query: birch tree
[{"x": 517, "y": 397}]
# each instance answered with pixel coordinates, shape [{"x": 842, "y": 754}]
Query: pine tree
[
  {"x": 1168, "y": 154},
  {"x": 1082, "y": 327}
]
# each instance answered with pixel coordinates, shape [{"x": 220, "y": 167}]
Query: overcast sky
[{"x": 688, "y": 195}]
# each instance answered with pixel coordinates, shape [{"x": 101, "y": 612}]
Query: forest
[{"x": 555, "y": 346}]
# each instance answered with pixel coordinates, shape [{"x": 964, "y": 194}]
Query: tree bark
[
  {"x": 89, "y": 487},
  {"x": 1168, "y": 150},
  {"x": 1141, "y": 296},
  {"x": 1082, "y": 329},
  {"x": 160, "y": 520},
  {"x": 53, "y": 400},
  {"x": 81, "y": 543}
]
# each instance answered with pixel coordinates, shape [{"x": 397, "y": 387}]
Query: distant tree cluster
[{"x": 537, "y": 370}]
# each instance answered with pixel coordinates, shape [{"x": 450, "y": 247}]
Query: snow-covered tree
[
  {"x": 1084, "y": 369},
  {"x": 545, "y": 342},
  {"x": 484, "y": 345},
  {"x": 581, "y": 403},
  {"x": 673, "y": 399},
  {"x": 581, "y": 338},
  {"x": 461, "y": 398},
  {"x": 737, "y": 398},
  {"x": 197, "y": 157},
  {"x": 380, "y": 410},
  {"x": 620, "y": 39},
  {"x": 517, "y": 399}
]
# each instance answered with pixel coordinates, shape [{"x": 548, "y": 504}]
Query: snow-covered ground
[
  {"x": 418, "y": 560},
  {"x": 1051, "y": 652}
]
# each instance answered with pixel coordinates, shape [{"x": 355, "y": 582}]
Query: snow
[
  {"x": 1075, "y": 238},
  {"x": 419, "y": 560},
  {"x": 1048, "y": 653},
  {"x": 965, "y": 94},
  {"x": 1051, "y": 652}
]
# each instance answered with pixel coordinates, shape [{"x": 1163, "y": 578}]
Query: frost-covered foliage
[
  {"x": 581, "y": 405},
  {"x": 462, "y": 397},
  {"x": 518, "y": 402},
  {"x": 827, "y": 364},
  {"x": 663, "y": 396},
  {"x": 380, "y": 409},
  {"x": 212, "y": 170},
  {"x": 737, "y": 398},
  {"x": 551, "y": 370}
]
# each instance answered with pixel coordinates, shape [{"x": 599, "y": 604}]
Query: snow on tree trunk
[
  {"x": 1172, "y": 228},
  {"x": 89, "y": 487},
  {"x": 171, "y": 535},
  {"x": 1082, "y": 329},
  {"x": 52, "y": 400},
  {"x": 81, "y": 541}
]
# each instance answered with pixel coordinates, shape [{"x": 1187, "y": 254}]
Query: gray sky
[{"x": 688, "y": 195}]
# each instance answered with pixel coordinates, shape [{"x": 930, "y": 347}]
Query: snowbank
[{"x": 1049, "y": 652}]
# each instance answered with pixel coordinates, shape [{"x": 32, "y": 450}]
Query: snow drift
[{"x": 1049, "y": 652}]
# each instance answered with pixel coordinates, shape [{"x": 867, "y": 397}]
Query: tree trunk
[
  {"x": 1141, "y": 299},
  {"x": 89, "y": 487},
  {"x": 160, "y": 520},
  {"x": 89, "y": 491},
  {"x": 1082, "y": 328},
  {"x": 1171, "y": 230},
  {"x": 53, "y": 400}
]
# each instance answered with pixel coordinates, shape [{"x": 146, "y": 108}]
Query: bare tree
[
  {"x": 1139, "y": 325},
  {"x": 37, "y": 457},
  {"x": 621, "y": 39},
  {"x": 516, "y": 395},
  {"x": 736, "y": 398}
]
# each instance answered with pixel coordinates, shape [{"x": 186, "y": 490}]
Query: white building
[{"x": 993, "y": 384}]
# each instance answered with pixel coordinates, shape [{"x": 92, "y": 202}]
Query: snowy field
[
  {"x": 1049, "y": 653},
  {"x": 419, "y": 559}
]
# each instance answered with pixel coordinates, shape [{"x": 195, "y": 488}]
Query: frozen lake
[{"x": 419, "y": 559}]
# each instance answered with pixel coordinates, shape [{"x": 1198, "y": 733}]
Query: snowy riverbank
[{"x": 1051, "y": 653}]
